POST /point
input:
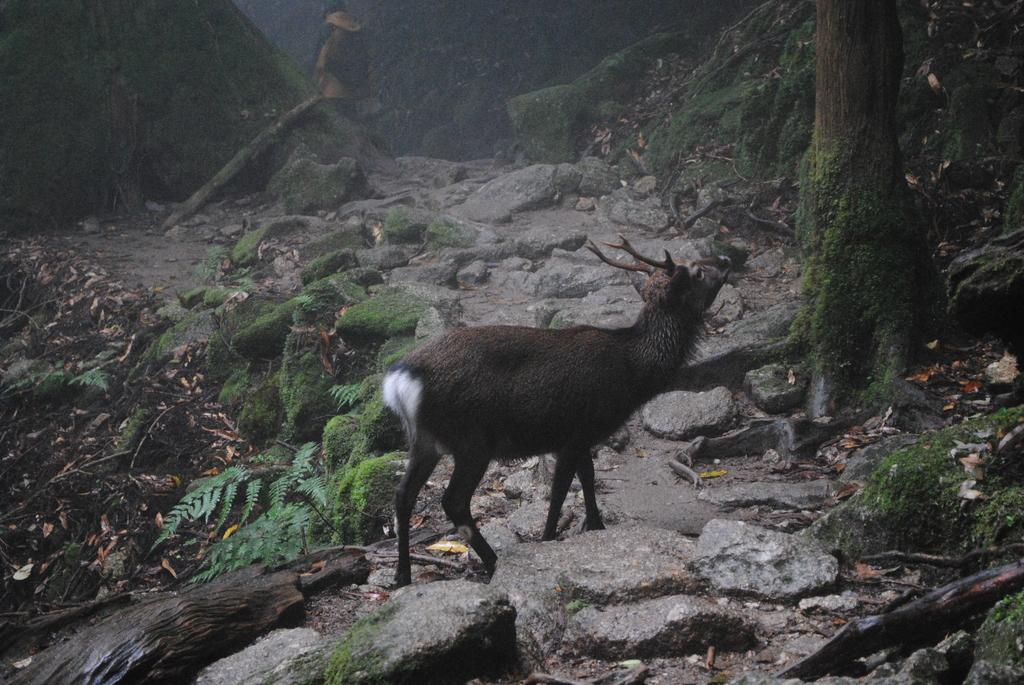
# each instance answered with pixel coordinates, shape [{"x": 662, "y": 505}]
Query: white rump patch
[{"x": 403, "y": 393}]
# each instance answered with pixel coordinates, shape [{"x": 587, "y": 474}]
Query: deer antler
[
  {"x": 620, "y": 265},
  {"x": 667, "y": 264}
]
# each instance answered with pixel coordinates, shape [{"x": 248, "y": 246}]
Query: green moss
[
  {"x": 399, "y": 228},
  {"x": 215, "y": 297},
  {"x": 388, "y": 314},
  {"x": 393, "y": 350},
  {"x": 134, "y": 430},
  {"x": 363, "y": 498},
  {"x": 340, "y": 437},
  {"x": 246, "y": 250},
  {"x": 328, "y": 264},
  {"x": 1000, "y": 640},
  {"x": 380, "y": 429},
  {"x": 1014, "y": 215},
  {"x": 193, "y": 297},
  {"x": 261, "y": 416},
  {"x": 442, "y": 233},
  {"x": 1000, "y": 517},
  {"x": 196, "y": 327},
  {"x": 576, "y": 605},
  {"x": 915, "y": 490},
  {"x": 320, "y": 301},
  {"x": 305, "y": 392},
  {"x": 264, "y": 337},
  {"x": 341, "y": 239},
  {"x": 235, "y": 386},
  {"x": 355, "y": 659},
  {"x": 868, "y": 285}
]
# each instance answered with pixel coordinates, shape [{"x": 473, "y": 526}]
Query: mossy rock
[
  {"x": 340, "y": 437},
  {"x": 442, "y": 233},
  {"x": 246, "y": 250},
  {"x": 1000, "y": 640},
  {"x": 193, "y": 297},
  {"x": 260, "y": 420},
  {"x": 134, "y": 430},
  {"x": 344, "y": 238},
  {"x": 399, "y": 227},
  {"x": 328, "y": 264},
  {"x": 363, "y": 498},
  {"x": 320, "y": 301},
  {"x": 197, "y": 327},
  {"x": 305, "y": 185},
  {"x": 387, "y": 314},
  {"x": 911, "y": 501},
  {"x": 235, "y": 387},
  {"x": 393, "y": 350},
  {"x": 305, "y": 392},
  {"x": 264, "y": 337},
  {"x": 1013, "y": 217},
  {"x": 222, "y": 358}
]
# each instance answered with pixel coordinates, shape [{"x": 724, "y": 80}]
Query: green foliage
[
  {"x": 399, "y": 228},
  {"x": 261, "y": 416},
  {"x": 264, "y": 337},
  {"x": 280, "y": 532},
  {"x": 362, "y": 497},
  {"x": 328, "y": 264},
  {"x": 207, "y": 270},
  {"x": 235, "y": 386},
  {"x": 246, "y": 250},
  {"x": 305, "y": 391},
  {"x": 443, "y": 233},
  {"x": 347, "y": 396}
]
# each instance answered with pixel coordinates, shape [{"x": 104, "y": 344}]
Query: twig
[
  {"x": 686, "y": 472},
  {"x": 551, "y": 679},
  {"x": 703, "y": 211},
  {"x": 776, "y": 226},
  {"x": 424, "y": 558},
  {"x": 895, "y": 555}
]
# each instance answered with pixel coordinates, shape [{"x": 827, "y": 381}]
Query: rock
[
  {"x": 802, "y": 495},
  {"x": 662, "y": 627},
  {"x": 645, "y": 185},
  {"x": 585, "y": 204},
  {"x": 619, "y": 564},
  {"x": 724, "y": 359},
  {"x": 528, "y": 520},
  {"x": 681, "y": 415},
  {"x": 448, "y": 631},
  {"x": 739, "y": 557},
  {"x": 611, "y": 307},
  {"x": 986, "y": 673},
  {"x": 597, "y": 177},
  {"x": 385, "y": 257},
  {"x": 915, "y": 409},
  {"x": 291, "y": 656},
  {"x": 177, "y": 232},
  {"x": 727, "y": 307},
  {"x": 703, "y": 228},
  {"x": 537, "y": 243},
  {"x": 1000, "y": 640},
  {"x": 829, "y": 603},
  {"x": 519, "y": 484},
  {"x": 771, "y": 263},
  {"x": 566, "y": 275},
  {"x": 986, "y": 288},
  {"x": 529, "y": 188},
  {"x": 863, "y": 460},
  {"x": 498, "y": 536},
  {"x": 1001, "y": 374},
  {"x": 431, "y": 323},
  {"x": 305, "y": 185},
  {"x": 473, "y": 274},
  {"x": 622, "y": 208},
  {"x": 770, "y": 389},
  {"x": 232, "y": 230}
]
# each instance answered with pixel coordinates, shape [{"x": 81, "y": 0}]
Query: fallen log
[
  {"x": 239, "y": 162},
  {"x": 916, "y": 622},
  {"x": 168, "y": 639}
]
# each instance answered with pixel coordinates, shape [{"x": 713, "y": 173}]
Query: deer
[{"x": 511, "y": 392}]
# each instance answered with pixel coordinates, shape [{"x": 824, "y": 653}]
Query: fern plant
[
  {"x": 347, "y": 396},
  {"x": 93, "y": 378},
  {"x": 281, "y": 530}
]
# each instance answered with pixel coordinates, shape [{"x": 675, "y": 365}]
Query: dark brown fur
[{"x": 511, "y": 392}]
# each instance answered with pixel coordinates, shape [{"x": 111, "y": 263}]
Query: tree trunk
[{"x": 867, "y": 264}]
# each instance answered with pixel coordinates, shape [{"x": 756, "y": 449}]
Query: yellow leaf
[
  {"x": 448, "y": 547},
  {"x": 177, "y": 480},
  {"x": 718, "y": 473},
  {"x": 933, "y": 345},
  {"x": 229, "y": 532}
]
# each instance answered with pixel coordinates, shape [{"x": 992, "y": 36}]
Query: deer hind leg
[
  {"x": 565, "y": 467},
  {"x": 585, "y": 471},
  {"x": 423, "y": 457},
  {"x": 466, "y": 476}
]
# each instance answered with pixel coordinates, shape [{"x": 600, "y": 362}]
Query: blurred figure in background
[{"x": 344, "y": 71}]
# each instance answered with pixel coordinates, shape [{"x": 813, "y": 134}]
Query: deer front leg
[{"x": 585, "y": 471}]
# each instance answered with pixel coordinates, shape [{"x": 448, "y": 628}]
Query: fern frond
[
  {"x": 252, "y": 495},
  {"x": 347, "y": 396},
  {"x": 93, "y": 378}
]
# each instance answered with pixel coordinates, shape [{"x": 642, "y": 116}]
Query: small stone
[
  {"x": 519, "y": 483},
  {"x": 586, "y": 204},
  {"x": 473, "y": 274},
  {"x": 770, "y": 389},
  {"x": 645, "y": 185},
  {"x": 829, "y": 603},
  {"x": 232, "y": 230},
  {"x": 727, "y": 307}
]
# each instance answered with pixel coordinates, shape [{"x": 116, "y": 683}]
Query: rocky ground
[{"x": 699, "y": 584}]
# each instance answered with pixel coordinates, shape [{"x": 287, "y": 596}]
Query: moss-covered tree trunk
[{"x": 867, "y": 262}]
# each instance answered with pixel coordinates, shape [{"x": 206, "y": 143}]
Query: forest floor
[{"x": 109, "y": 283}]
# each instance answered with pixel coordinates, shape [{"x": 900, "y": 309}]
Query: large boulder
[
  {"x": 284, "y": 657},
  {"x": 738, "y": 557},
  {"x": 986, "y": 289},
  {"x": 445, "y": 632},
  {"x": 528, "y": 188},
  {"x": 305, "y": 185},
  {"x": 681, "y": 415}
]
